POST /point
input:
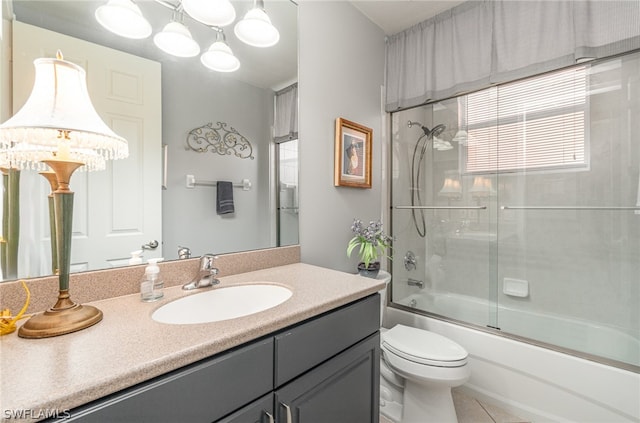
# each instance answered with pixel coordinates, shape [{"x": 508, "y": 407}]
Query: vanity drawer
[
  {"x": 308, "y": 344},
  {"x": 202, "y": 392}
]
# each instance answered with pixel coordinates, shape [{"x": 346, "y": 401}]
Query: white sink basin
[{"x": 222, "y": 303}]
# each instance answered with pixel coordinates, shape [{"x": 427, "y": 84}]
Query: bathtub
[
  {"x": 574, "y": 334},
  {"x": 532, "y": 382}
]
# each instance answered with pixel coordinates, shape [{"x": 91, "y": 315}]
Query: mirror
[{"x": 192, "y": 96}]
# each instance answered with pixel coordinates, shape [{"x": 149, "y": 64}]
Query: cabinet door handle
[
  {"x": 286, "y": 407},
  {"x": 269, "y": 416}
]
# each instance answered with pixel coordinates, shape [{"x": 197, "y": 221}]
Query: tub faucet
[
  {"x": 415, "y": 282},
  {"x": 206, "y": 276}
]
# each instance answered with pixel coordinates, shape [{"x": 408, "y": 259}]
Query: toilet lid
[{"x": 423, "y": 347}]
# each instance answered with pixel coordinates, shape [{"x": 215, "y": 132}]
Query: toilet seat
[{"x": 423, "y": 347}]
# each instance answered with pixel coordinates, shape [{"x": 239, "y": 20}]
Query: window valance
[{"x": 480, "y": 43}]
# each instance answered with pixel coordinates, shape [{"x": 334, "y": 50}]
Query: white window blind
[{"x": 532, "y": 124}]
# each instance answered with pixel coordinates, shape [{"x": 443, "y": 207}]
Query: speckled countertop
[{"x": 128, "y": 347}]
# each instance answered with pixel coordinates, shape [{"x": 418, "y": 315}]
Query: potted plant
[{"x": 372, "y": 243}]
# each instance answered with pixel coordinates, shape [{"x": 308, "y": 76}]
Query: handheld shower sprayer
[
  {"x": 416, "y": 166},
  {"x": 437, "y": 130}
]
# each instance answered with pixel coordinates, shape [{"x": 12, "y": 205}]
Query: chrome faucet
[
  {"x": 415, "y": 282},
  {"x": 206, "y": 276},
  {"x": 184, "y": 253}
]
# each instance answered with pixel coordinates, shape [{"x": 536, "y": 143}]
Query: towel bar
[
  {"x": 441, "y": 207},
  {"x": 245, "y": 184},
  {"x": 568, "y": 208}
]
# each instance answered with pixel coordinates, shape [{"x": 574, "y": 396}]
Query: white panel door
[{"x": 116, "y": 210}]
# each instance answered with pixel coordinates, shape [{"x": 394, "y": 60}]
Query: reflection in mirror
[{"x": 154, "y": 100}]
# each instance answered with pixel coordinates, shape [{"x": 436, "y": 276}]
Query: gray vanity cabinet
[
  {"x": 343, "y": 390},
  {"x": 201, "y": 392},
  {"x": 259, "y": 411},
  {"x": 325, "y": 369}
]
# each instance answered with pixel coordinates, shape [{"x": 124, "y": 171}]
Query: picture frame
[{"x": 352, "y": 166}]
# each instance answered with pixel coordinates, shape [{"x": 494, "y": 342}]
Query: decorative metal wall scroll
[{"x": 219, "y": 139}]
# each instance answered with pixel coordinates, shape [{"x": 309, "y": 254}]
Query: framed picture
[{"x": 352, "y": 155}]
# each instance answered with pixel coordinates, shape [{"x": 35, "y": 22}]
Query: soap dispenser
[
  {"x": 151, "y": 284},
  {"x": 136, "y": 257}
]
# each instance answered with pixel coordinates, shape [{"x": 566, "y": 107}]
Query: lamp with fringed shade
[{"x": 58, "y": 128}]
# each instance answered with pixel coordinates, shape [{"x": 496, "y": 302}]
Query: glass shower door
[
  {"x": 444, "y": 235},
  {"x": 518, "y": 208},
  {"x": 569, "y": 267},
  {"x": 287, "y": 154}
]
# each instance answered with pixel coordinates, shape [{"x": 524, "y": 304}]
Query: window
[{"x": 532, "y": 124}]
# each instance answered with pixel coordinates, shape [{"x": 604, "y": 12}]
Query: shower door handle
[{"x": 441, "y": 207}]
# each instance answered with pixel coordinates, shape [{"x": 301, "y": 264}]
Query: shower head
[{"x": 437, "y": 130}]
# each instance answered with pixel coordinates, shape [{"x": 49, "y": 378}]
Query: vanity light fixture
[
  {"x": 124, "y": 18},
  {"x": 59, "y": 126},
  {"x": 256, "y": 28},
  {"x": 219, "y": 56},
  {"x": 210, "y": 12},
  {"x": 175, "y": 38}
]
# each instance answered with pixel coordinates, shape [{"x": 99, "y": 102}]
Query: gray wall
[
  {"x": 194, "y": 97},
  {"x": 341, "y": 72}
]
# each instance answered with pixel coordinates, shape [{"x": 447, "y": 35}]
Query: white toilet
[{"x": 418, "y": 368}]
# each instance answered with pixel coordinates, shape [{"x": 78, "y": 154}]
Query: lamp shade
[
  {"x": 451, "y": 187},
  {"x": 256, "y": 29},
  {"x": 482, "y": 187},
  {"x": 59, "y": 120},
  {"x": 124, "y": 18},
  {"x": 175, "y": 39},
  {"x": 210, "y": 12}
]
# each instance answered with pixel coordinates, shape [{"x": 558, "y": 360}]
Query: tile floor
[{"x": 471, "y": 410}]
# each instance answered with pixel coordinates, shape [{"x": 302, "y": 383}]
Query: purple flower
[{"x": 370, "y": 239}]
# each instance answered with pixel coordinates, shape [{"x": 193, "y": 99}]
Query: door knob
[{"x": 151, "y": 245}]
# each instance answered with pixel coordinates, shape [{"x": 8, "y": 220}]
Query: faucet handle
[
  {"x": 184, "y": 253},
  {"x": 206, "y": 262},
  {"x": 214, "y": 271}
]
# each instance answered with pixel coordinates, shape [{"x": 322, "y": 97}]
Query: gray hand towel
[{"x": 224, "y": 197}]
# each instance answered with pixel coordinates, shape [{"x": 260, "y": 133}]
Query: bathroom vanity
[
  {"x": 313, "y": 358},
  {"x": 322, "y": 370}
]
